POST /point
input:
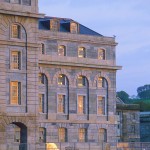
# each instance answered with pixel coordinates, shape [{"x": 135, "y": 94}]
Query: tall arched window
[
  {"x": 101, "y": 82},
  {"x": 81, "y": 52},
  {"x": 101, "y": 54},
  {"x": 16, "y": 31}
]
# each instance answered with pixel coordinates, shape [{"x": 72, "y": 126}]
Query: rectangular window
[
  {"x": 102, "y": 135},
  {"x": 100, "y": 105},
  {"x": 41, "y": 103},
  {"x": 16, "y": 31},
  {"x": 15, "y": 60},
  {"x": 26, "y": 2},
  {"x": 61, "y": 103},
  {"x": 62, "y": 133},
  {"x": 15, "y": 93},
  {"x": 81, "y": 104},
  {"x": 82, "y": 135},
  {"x": 74, "y": 28}
]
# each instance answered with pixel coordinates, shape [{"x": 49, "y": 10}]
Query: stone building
[
  {"x": 58, "y": 82},
  {"x": 128, "y": 129}
]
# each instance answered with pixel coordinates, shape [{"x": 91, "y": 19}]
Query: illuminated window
[
  {"x": 100, "y": 105},
  {"x": 42, "y": 48},
  {"x": 62, "y": 50},
  {"x": 62, "y": 79},
  {"x": 42, "y": 135},
  {"x": 15, "y": 60},
  {"x": 15, "y": 93},
  {"x": 41, "y": 103},
  {"x": 101, "y": 82},
  {"x": 81, "y": 81},
  {"x": 17, "y": 135},
  {"x": 42, "y": 78},
  {"x": 81, "y": 52},
  {"x": 81, "y": 104},
  {"x": 82, "y": 135},
  {"x": 54, "y": 25},
  {"x": 16, "y": 31},
  {"x": 62, "y": 134},
  {"x": 101, "y": 54},
  {"x": 61, "y": 103},
  {"x": 74, "y": 28},
  {"x": 102, "y": 135}
]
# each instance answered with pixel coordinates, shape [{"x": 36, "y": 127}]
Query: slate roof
[{"x": 44, "y": 24}]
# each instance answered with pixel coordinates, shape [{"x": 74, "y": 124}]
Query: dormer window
[
  {"x": 16, "y": 31},
  {"x": 74, "y": 27},
  {"x": 54, "y": 25}
]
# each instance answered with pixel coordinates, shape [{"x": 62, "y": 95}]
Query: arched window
[
  {"x": 62, "y": 80},
  {"x": 101, "y": 82},
  {"x": 101, "y": 54},
  {"x": 61, "y": 50},
  {"x": 74, "y": 27},
  {"x": 62, "y": 134},
  {"x": 102, "y": 135},
  {"x": 16, "y": 31},
  {"x": 81, "y": 81},
  {"x": 81, "y": 52}
]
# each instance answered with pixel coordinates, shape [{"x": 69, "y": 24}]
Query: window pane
[
  {"x": 81, "y": 52},
  {"x": 15, "y": 60},
  {"x": 42, "y": 48},
  {"x": 101, "y": 54},
  {"x": 15, "y": 93},
  {"x": 42, "y": 134},
  {"x": 62, "y": 79},
  {"x": 41, "y": 78},
  {"x": 102, "y": 135},
  {"x": 61, "y": 50},
  {"x": 101, "y": 105},
  {"x": 26, "y": 2},
  {"x": 81, "y": 104},
  {"x": 16, "y": 30},
  {"x": 81, "y": 80},
  {"x": 17, "y": 135},
  {"x": 61, "y": 103}
]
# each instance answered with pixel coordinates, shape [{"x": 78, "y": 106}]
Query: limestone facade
[{"x": 31, "y": 129}]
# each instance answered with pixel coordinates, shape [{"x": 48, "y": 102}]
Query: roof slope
[{"x": 44, "y": 24}]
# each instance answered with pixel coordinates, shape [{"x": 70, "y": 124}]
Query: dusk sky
[{"x": 128, "y": 20}]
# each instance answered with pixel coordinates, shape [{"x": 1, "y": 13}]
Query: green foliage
[
  {"x": 123, "y": 96},
  {"x": 144, "y": 92},
  {"x": 144, "y": 104}
]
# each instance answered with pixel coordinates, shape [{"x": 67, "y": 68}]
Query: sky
[{"x": 128, "y": 20}]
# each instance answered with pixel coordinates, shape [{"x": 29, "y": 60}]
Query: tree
[
  {"x": 144, "y": 91},
  {"x": 123, "y": 96}
]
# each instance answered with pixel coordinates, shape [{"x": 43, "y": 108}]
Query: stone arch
[
  {"x": 41, "y": 70},
  {"x": 83, "y": 73},
  {"x": 64, "y": 72},
  {"x": 102, "y": 74},
  {"x": 6, "y": 22}
]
